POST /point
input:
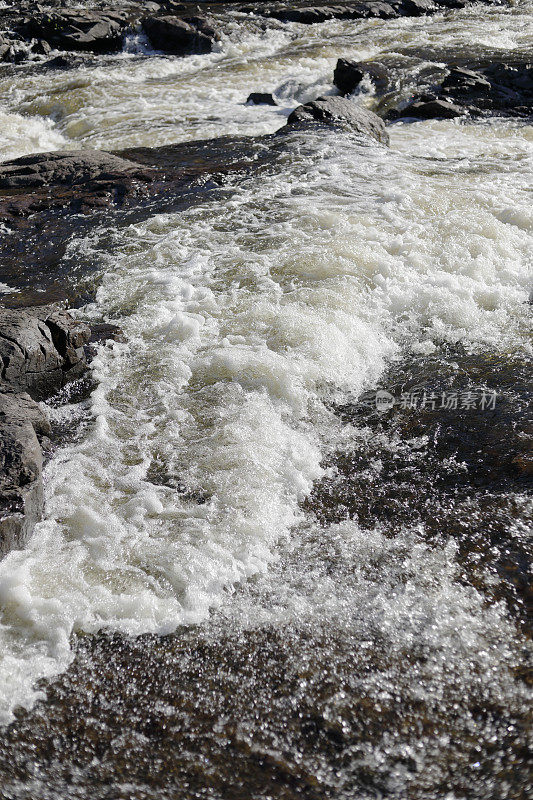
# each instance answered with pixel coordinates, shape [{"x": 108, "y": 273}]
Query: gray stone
[
  {"x": 340, "y": 112},
  {"x": 432, "y": 109},
  {"x": 41, "y": 350},
  {"x": 21, "y": 486}
]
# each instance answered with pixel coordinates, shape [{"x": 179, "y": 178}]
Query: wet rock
[
  {"x": 432, "y": 109},
  {"x": 21, "y": 487},
  {"x": 66, "y": 168},
  {"x": 19, "y": 407},
  {"x": 261, "y": 98},
  {"x": 342, "y": 112},
  {"x": 41, "y": 349},
  {"x": 60, "y": 62},
  {"x": 4, "y": 48},
  {"x": 41, "y": 47},
  {"x": 416, "y": 8},
  {"x": 349, "y": 74},
  {"x": 177, "y": 36},
  {"x": 93, "y": 31},
  {"x": 496, "y": 88},
  {"x": 309, "y": 15}
]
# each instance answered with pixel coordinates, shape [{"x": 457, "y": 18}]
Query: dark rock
[
  {"x": 341, "y": 112},
  {"x": 497, "y": 88},
  {"x": 432, "y": 109},
  {"x": 66, "y": 168},
  {"x": 4, "y": 48},
  {"x": 93, "y": 31},
  {"x": 60, "y": 62},
  {"x": 349, "y": 74},
  {"x": 21, "y": 486},
  {"x": 178, "y": 37},
  {"x": 41, "y": 349},
  {"x": 261, "y": 98},
  {"x": 416, "y": 8},
  {"x": 12, "y": 52},
  {"x": 41, "y": 47}
]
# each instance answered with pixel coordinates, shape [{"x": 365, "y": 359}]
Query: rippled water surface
[{"x": 330, "y": 602}]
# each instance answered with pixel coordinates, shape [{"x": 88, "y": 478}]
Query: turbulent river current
[{"x": 249, "y": 582}]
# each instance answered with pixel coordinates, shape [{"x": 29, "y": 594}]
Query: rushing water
[{"x": 250, "y": 318}]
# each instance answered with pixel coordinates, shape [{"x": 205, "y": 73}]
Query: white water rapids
[{"x": 242, "y": 316}]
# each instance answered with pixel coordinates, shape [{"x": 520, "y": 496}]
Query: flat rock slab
[{"x": 68, "y": 169}]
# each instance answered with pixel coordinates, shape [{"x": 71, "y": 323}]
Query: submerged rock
[
  {"x": 341, "y": 112},
  {"x": 179, "y": 36}
]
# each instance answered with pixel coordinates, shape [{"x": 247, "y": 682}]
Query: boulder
[
  {"x": 348, "y": 75},
  {"x": 88, "y": 30},
  {"x": 416, "y": 8},
  {"x": 432, "y": 109},
  {"x": 178, "y": 36},
  {"x": 21, "y": 486},
  {"x": 19, "y": 407},
  {"x": 340, "y": 112},
  {"x": 261, "y": 99},
  {"x": 497, "y": 88},
  {"x": 41, "y": 349}
]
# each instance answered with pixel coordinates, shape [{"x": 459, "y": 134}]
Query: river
[{"x": 227, "y": 596}]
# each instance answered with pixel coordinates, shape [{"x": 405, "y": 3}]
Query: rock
[
  {"x": 19, "y": 407},
  {"x": 432, "y": 109},
  {"x": 416, "y": 8},
  {"x": 4, "y": 48},
  {"x": 60, "y": 62},
  {"x": 261, "y": 98},
  {"x": 341, "y": 112},
  {"x": 41, "y": 47},
  {"x": 88, "y": 30},
  {"x": 21, "y": 486},
  {"x": 178, "y": 37},
  {"x": 309, "y": 15},
  {"x": 497, "y": 88},
  {"x": 349, "y": 74},
  {"x": 41, "y": 349},
  {"x": 12, "y": 52},
  {"x": 66, "y": 168}
]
